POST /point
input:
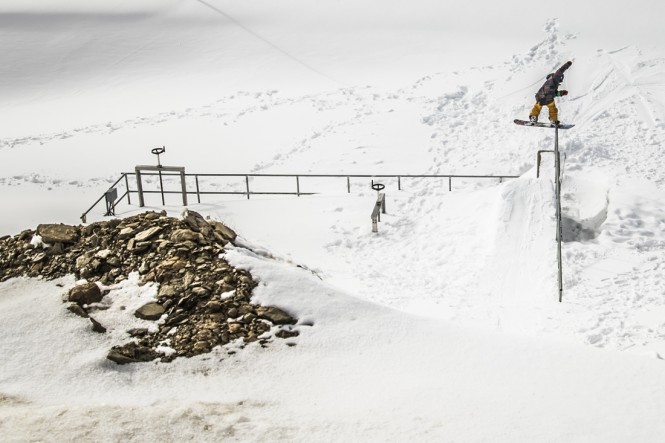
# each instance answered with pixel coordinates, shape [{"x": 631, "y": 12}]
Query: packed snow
[{"x": 445, "y": 324}]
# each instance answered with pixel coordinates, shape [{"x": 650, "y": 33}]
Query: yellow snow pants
[{"x": 554, "y": 112}]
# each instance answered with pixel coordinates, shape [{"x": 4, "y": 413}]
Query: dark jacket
[{"x": 550, "y": 89}]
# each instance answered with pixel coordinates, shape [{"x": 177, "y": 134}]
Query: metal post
[
  {"x": 399, "y": 183},
  {"x": 538, "y": 164},
  {"x": 198, "y": 191},
  {"x": 183, "y": 184},
  {"x": 247, "y": 185},
  {"x": 129, "y": 200},
  {"x": 297, "y": 186},
  {"x": 348, "y": 185},
  {"x": 559, "y": 236},
  {"x": 161, "y": 187},
  {"x": 139, "y": 187},
  {"x": 450, "y": 183}
]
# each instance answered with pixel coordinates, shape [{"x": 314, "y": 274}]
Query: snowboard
[{"x": 541, "y": 125}]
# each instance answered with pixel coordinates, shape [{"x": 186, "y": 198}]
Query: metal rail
[{"x": 198, "y": 192}]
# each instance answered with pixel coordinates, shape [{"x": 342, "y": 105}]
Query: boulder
[
  {"x": 58, "y": 233},
  {"x": 85, "y": 294},
  {"x": 274, "y": 315},
  {"x": 150, "y": 311}
]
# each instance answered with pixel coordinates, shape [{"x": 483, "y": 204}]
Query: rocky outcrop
[{"x": 182, "y": 256}]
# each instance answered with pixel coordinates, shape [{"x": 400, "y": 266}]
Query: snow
[{"x": 443, "y": 326}]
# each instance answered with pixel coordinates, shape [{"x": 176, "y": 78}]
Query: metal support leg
[
  {"x": 183, "y": 184},
  {"x": 139, "y": 187},
  {"x": 559, "y": 235}
]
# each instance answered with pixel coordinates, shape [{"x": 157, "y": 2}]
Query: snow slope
[{"x": 441, "y": 327}]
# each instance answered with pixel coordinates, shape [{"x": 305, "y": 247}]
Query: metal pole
[
  {"x": 557, "y": 181},
  {"x": 348, "y": 185},
  {"x": 198, "y": 191},
  {"x": 247, "y": 185},
  {"x": 450, "y": 183},
  {"x": 297, "y": 186},
  {"x": 399, "y": 183},
  {"x": 161, "y": 187},
  {"x": 183, "y": 184},
  {"x": 139, "y": 186},
  {"x": 129, "y": 200}
]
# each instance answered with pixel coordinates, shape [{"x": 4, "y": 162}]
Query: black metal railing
[{"x": 248, "y": 192}]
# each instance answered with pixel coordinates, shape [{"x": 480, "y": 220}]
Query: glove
[{"x": 562, "y": 93}]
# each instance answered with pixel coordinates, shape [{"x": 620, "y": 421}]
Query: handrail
[
  {"x": 248, "y": 192},
  {"x": 124, "y": 175}
]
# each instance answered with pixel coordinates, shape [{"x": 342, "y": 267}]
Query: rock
[
  {"x": 186, "y": 235},
  {"x": 234, "y": 328},
  {"x": 126, "y": 233},
  {"x": 283, "y": 333},
  {"x": 83, "y": 261},
  {"x": 137, "y": 247},
  {"x": 103, "y": 254},
  {"x": 199, "y": 292},
  {"x": 147, "y": 234},
  {"x": 167, "y": 291},
  {"x": 39, "y": 257},
  {"x": 85, "y": 294},
  {"x": 137, "y": 332},
  {"x": 233, "y": 312},
  {"x": 96, "y": 326},
  {"x": 213, "y": 306},
  {"x": 197, "y": 223},
  {"x": 78, "y": 310},
  {"x": 131, "y": 353},
  {"x": 274, "y": 315},
  {"x": 150, "y": 311},
  {"x": 52, "y": 233},
  {"x": 220, "y": 228}
]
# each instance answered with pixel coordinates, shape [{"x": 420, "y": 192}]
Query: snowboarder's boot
[
  {"x": 554, "y": 122},
  {"x": 533, "y": 119}
]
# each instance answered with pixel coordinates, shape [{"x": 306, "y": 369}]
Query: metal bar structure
[
  {"x": 379, "y": 207},
  {"x": 559, "y": 230},
  {"x": 161, "y": 171},
  {"x": 165, "y": 171}
]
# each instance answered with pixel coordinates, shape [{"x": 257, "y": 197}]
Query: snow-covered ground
[{"x": 444, "y": 325}]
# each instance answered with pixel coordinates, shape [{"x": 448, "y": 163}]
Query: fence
[{"x": 112, "y": 202}]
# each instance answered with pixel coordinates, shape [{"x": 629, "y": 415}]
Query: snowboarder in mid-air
[{"x": 547, "y": 92}]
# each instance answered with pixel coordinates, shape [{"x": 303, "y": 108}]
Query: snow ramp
[{"x": 521, "y": 260}]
